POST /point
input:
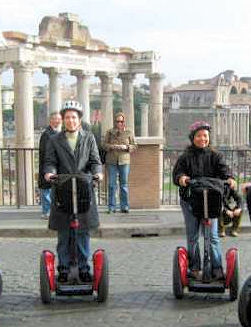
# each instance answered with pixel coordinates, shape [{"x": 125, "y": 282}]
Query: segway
[
  {"x": 49, "y": 284},
  {"x": 244, "y": 305},
  {"x": 205, "y": 283}
]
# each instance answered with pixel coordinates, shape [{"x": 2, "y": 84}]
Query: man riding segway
[{"x": 73, "y": 151}]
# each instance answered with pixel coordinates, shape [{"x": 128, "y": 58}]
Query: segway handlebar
[
  {"x": 56, "y": 177},
  {"x": 193, "y": 181}
]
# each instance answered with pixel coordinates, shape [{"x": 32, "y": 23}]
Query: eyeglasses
[{"x": 120, "y": 121}]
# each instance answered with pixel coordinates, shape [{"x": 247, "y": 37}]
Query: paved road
[{"x": 140, "y": 288}]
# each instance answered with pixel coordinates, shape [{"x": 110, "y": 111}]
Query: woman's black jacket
[{"x": 196, "y": 162}]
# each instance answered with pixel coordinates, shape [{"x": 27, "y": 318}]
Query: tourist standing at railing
[
  {"x": 45, "y": 187},
  {"x": 200, "y": 160},
  {"x": 119, "y": 144}
]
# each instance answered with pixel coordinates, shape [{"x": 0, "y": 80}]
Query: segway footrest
[
  {"x": 83, "y": 289},
  {"x": 213, "y": 287}
]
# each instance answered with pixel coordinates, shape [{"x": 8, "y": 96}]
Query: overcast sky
[{"x": 196, "y": 39}]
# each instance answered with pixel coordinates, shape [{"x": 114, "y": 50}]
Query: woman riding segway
[{"x": 200, "y": 160}]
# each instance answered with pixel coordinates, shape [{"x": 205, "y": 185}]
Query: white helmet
[{"x": 72, "y": 105}]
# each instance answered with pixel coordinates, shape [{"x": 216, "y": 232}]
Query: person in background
[
  {"x": 119, "y": 144},
  {"x": 200, "y": 160},
  {"x": 54, "y": 127},
  {"x": 231, "y": 213}
]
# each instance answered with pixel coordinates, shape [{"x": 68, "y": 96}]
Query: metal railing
[
  {"x": 19, "y": 175},
  {"x": 239, "y": 162},
  {"x": 19, "y": 178}
]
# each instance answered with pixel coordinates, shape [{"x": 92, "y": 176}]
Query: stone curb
[{"x": 107, "y": 232}]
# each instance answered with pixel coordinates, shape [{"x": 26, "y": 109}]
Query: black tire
[
  {"x": 178, "y": 289},
  {"x": 234, "y": 283},
  {"x": 1, "y": 284},
  {"x": 103, "y": 287},
  {"x": 244, "y": 305},
  {"x": 45, "y": 290}
]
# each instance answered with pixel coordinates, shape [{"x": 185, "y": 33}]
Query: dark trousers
[
  {"x": 224, "y": 220},
  {"x": 83, "y": 249},
  {"x": 248, "y": 198}
]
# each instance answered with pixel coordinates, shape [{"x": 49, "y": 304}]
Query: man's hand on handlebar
[
  {"x": 49, "y": 176},
  {"x": 98, "y": 177},
  {"x": 184, "y": 180}
]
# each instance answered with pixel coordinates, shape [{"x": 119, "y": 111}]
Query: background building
[{"x": 223, "y": 100}]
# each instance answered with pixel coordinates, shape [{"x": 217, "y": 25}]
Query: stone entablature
[{"x": 64, "y": 46}]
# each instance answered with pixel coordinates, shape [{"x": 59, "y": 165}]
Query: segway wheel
[
  {"x": 244, "y": 305},
  {"x": 178, "y": 289},
  {"x": 45, "y": 290},
  {"x": 234, "y": 283},
  {"x": 103, "y": 286},
  {"x": 1, "y": 284}
]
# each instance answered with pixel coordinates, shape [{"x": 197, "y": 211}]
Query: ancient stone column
[
  {"x": 156, "y": 105},
  {"x": 144, "y": 119},
  {"x": 106, "y": 101},
  {"x": 24, "y": 121},
  {"x": 83, "y": 92},
  {"x": 244, "y": 127},
  {"x": 235, "y": 130},
  {"x": 54, "y": 89},
  {"x": 1, "y": 112},
  {"x": 229, "y": 123},
  {"x": 247, "y": 128},
  {"x": 214, "y": 128},
  {"x": 1, "y": 137},
  {"x": 238, "y": 130},
  {"x": 127, "y": 99}
]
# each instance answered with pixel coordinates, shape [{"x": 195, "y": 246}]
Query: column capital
[
  {"x": 80, "y": 72},
  {"x": 106, "y": 75},
  {"x": 24, "y": 65},
  {"x": 159, "y": 76},
  {"x": 127, "y": 76},
  {"x": 54, "y": 70}
]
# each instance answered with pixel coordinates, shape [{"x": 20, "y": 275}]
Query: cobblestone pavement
[{"x": 140, "y": 288}]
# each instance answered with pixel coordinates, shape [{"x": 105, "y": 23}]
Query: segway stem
[{"x": 74, "y": 196}]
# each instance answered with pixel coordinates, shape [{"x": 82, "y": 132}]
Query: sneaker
[
  {"x": 195, "y": 274},
  {"x": 109, "y": 211},
  {"x": 234, "y": 233},
  {"x": 124, "y": 210},
  {"x": 45, "y": 216},
  {"x": 222, "y": 234},
  {"x": 85, "y": 276},
  {"x": 62, "y": 277}
]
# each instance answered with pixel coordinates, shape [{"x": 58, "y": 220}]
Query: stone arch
[{"x": 233, "y": 90}]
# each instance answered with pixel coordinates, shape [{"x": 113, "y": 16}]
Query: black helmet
[{"x": 72, "y": 105}]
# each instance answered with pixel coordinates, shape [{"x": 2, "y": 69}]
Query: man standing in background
[{"x": 45, "y": 187}]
